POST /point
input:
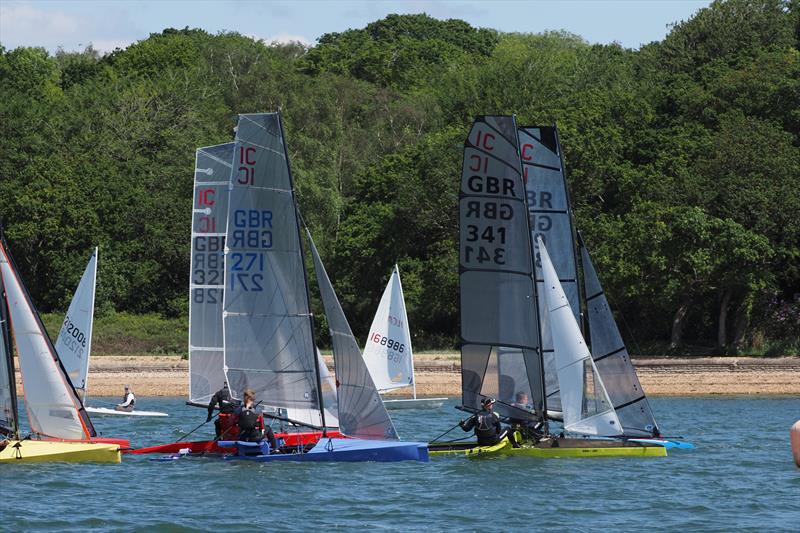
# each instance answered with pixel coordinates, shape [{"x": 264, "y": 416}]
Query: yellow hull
[
  {"x": 565, "y": 448},
  {"x": 459, "y": 449},
  {"x": 37, "y": 451}
]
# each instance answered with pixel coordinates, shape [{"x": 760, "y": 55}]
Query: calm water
[{"x": 741, "y": 476}]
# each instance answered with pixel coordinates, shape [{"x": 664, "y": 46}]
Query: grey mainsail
[
  {"x": 612, "y": 360},
  {"x": 361, "y": 410},
  {"x": 8, "y": 388},
  {"x": 500, "y": 338},
  {"x": 550, "y": 218},
  {"x": 207, "y": 281},
  {"x": 267, "y": 327}
]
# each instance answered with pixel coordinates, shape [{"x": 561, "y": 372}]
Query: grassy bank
[{"x": 129, "y": 334}]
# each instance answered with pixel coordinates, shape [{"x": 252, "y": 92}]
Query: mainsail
[
  {"x": 612, "y": 360},
  {"x": 74, "y": 342},
  {"x": 9, "y": 419},
  {"x": 53, "y": 406},
  {"x": 207, "y": 282},
  {"x": 361, "y": 410},
  {"x": 388, "y": 350},
  {"x": 585, "y": 404},
  {"x": 267, "y": 324},
  {"x": 499, "y": 324},
  {"x": 551, "y": 219}
]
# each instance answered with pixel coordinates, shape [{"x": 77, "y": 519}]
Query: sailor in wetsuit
[
  {"x": 227, "y": 408},
  {"x": 251, "y": 422},
  {"x": 128, "y": 401},
  {"x": 486, "y": 424}
]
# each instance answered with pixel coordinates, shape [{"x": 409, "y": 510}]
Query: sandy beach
[{"x": 438, "y": 374}]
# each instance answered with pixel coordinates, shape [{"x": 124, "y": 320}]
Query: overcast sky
[{"x": 108, "y": 24}]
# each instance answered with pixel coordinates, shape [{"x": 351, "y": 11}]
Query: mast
[
  {"x": 408, "y": 334},
  {"x": 305, "y": 279},
  {"x": 5, "y": 333}
]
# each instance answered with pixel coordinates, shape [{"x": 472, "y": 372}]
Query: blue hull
[{"x": 338, "y": 450}]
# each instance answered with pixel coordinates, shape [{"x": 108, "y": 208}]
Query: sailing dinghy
[
  {"x": 268, "y": 327},
  {"x": 60, "y": 427},
  {"x": 74, "y": 342},
  {"x": 502, "y": 350},
  {"x": 388, "y": 352}
]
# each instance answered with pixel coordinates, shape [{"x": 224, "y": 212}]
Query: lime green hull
[
  {"x": 38, "y": 451},
  {"x": 558, "y": 449}
]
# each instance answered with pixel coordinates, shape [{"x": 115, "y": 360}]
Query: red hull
[{"x": 210, "y": 446}]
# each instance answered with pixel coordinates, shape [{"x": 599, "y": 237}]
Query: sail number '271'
[{"x": 252, "y": 235}]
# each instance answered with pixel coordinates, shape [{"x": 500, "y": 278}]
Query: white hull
[
  {"x": 107, "y": 411},
  {"x": 411, "y": 403}
]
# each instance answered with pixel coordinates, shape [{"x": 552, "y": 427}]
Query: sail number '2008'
[{"x": 252, "y": 235}]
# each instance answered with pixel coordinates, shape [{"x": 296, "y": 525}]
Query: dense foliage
[{"x": 683, "y": 160}]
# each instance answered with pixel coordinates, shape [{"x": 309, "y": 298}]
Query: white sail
[
  {"x": 52, "y": 404},
  {"x": 74, "y": 342},
  {"x": 388, "y": 350},
  {"x": 584, "y": 400},
  {"x": 207, "y": 280}
]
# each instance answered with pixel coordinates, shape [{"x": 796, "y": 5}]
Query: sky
[{"x": 109, "y": 24}]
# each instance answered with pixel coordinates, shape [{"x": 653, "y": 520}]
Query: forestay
[
  {"x": 74, "y": 342},
  {"x": 612, "y": 360},
  {"x": 388, "y": 350},
  {"x": 584, "y": 400},
  {"x": 361, "y": 410},
  {"x": 53, "y": 406},
  {"x": 8, "y": 392},
  {"x": 499, "y": 323},
  {"x": 550, "y": 218},
  {"x": 268, "y": 339},
  {"x": 207, "y": 281}
]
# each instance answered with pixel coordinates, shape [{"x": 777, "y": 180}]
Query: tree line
[{"x": 683, "y": 162}]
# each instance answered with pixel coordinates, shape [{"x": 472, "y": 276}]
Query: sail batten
[{"x": 499, "y": 326}]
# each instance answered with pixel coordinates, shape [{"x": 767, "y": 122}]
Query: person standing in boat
[
  {"x": 128, "y": 401},
  {"x": 251, "y": 422},
  {"x": 486, "y": 424},
  {"x": 225, "y": 425}
]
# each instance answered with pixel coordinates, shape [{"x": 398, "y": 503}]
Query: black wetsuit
[
  {"x": 227, "y": 406},
  {"x": 252, "y": 428},
  {"x": 487, "y": 427}
]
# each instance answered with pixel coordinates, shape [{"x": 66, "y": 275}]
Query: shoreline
[{"x": 438, "y": 374}]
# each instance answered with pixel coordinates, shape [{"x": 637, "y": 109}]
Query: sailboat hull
[
  {"x": 296, "y": 438},
  {"x": 37, "y": 451},
  {"x": 114, "y": 412},
  {"x": 415, "y": 403},
  {"x": 345, "y": 450},
  {"x": 557, "y": 449}
]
